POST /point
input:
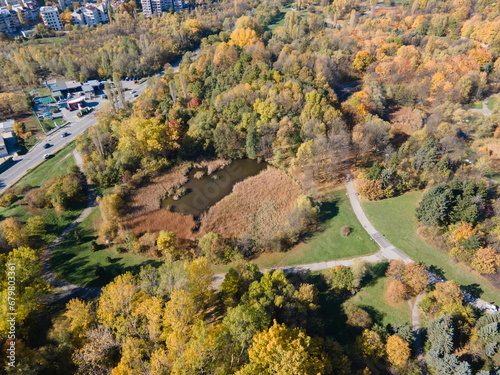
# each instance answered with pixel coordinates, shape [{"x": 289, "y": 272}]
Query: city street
[{"x": 24, "y": 163}]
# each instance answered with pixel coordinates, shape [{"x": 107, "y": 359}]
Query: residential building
[
  {"x": 50, "y": 17},
  {"x": 3, "y": 148},
  {"x": 27, "y": 13},
  {"x": 91, "y": 14},
  {"x": 6, "y": 3},
  {"x": 7, "y": 126},
  {"x": 68, "y": 3},
  {"x": 156, "y": 7},
  {"x": 9, "y": 21}
]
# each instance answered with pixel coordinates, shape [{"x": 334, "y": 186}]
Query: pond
[{"x": 203, "y": 193}]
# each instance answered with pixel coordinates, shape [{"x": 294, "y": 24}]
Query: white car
[{"x": 47, "y": 156}]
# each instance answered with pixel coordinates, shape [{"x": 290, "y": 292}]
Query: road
[
  {"x": 485, "y": 110},
  {"x": 24, "y": 163}
]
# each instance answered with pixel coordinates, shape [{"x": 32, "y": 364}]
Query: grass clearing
[
  {"x": 49, "y": 124},
  {"x": 492, "y": 103},
  {"x": 326, "y": 243},
  {"x": 371, "y": 298},
  {"x": 58, "y": 165},
  {"x": 56, "y": 223},
  {"x": 395, "y": 219},
  {"x": 281, "y": 20},
  {"x": 476, "y": 105},
  {"x": 77, "y": 263}
]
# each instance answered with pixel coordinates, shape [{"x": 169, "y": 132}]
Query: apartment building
[
  {"x": 9, "y": 21},
  {"x": 90, "y": 14},
  {"x": 157, "y": 7},
  {"x": 50, "y": 17}
]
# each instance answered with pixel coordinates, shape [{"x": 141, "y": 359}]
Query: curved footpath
[
  {"x": 63, "y": 289},
  {"x": 387, "y": 251}
]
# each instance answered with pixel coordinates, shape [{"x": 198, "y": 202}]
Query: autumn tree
[
  {"x": 362, "y": 60},
  {"x": 486, "y": 260},
  {"x": 415, "y": 278},
  {"x": 398, "y": 351},
  {"x": 291, "y": 352}
]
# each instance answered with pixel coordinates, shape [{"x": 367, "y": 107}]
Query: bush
[
  {"x": 357, "y": 317},
  {"x": 345, "y": 231},
  {"x": 7, "y": 199},
  {"x": 371, "y": 190},
  {"x": 94, "y": 246}
]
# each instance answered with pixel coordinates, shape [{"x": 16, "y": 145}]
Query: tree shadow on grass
[
  {"x": 474, "y": 289},
  {"x": 437, "y": 271},
  {"x": 104, "y": 274},
  {"x": 329, "y": 210},
  {"x": 377, "y": 316},
  {"x": 374, "y": 272}
]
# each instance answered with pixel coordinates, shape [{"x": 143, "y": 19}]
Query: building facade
[
  {"x": 91, "y": 14},
  {"x": 9, "y": 21},
  {"x": 50, "y": 17},
  {"x": 157, "y": 7}
]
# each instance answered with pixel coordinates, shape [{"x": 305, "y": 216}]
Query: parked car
[
  {"x": 135, "y": 81},
  {"x": 46, "y": 145},
  {"x": 65, "y": 134}
]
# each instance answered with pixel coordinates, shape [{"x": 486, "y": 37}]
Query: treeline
[
  {"x": 130, "y": 45},
  {"x": 169, "y": 320}
]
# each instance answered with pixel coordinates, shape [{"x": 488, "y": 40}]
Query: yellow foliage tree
[
  {"x": 398, "y": 351},
  {"x": 284, "y": 351},
  {"x": 243, "y": 37},
  {"x": 486, "y": 260}
]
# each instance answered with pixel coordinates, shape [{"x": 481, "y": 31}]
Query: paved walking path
[
  {"x": 485, "y": 110},
  {"x": 387, "y": 252},
  {"x": 63, "y": 289},
  {"x": 415, "y": 327}
]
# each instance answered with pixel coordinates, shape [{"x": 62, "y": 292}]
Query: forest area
[{"x": 242, "y": 154}]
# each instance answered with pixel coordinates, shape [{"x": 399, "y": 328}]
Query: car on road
[
  {"x": 135, "y": 95},
  {"x": 47, "y": 156},
  {"x": 135, "y": 81},
  {"x": 65, "y": 134},
  {"x": 46, "y": 145}
]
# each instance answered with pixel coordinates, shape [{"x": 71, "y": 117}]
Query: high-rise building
[
  {"x": 156, "y": 7},
  {"x": 50, "y": 17},
  {"x": 68, "y": 3},
  {"x": 90, "y": 14},
  {"x": 9, "y": 21}
]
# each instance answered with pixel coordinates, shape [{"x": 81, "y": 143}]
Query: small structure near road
[
  {"x": 7, "y": 126},
  {"x": 77, "y": 103}
]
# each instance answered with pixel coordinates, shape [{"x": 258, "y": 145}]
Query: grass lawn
[
  {"x": 51, "y": 40},
  {"x": 371, "y": 298},
  {"x": 58, "y": 165},
  {"x": 476, "y": 105},
  {"x": 492, "y": 103},
  {"x": 326, "y": 243},
  {"x": 77, "y": 263},
  {"x": 395, "y": 219},
  {"x": 49, "y": 124},
  {"x": 281, "y": 20},
  {"x": 56, "y": 223}
]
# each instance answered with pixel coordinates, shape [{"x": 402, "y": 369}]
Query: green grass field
[
  {"x": 492, "y": 103},
  {"x": 371, "y": 298},
  {"x": 49, "y": 124},
  {"x": 281, "y": 20},
  {"x": 56, "y": 40},
  {"x": 326, "y": 243},
  {"x": 76, "y": 262},
  {"x": 56, "y": 223},
  {"x": 475, "y": 105},
  {"x": 395, "y": 219},
  {"x": 58, "y": 165}
]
